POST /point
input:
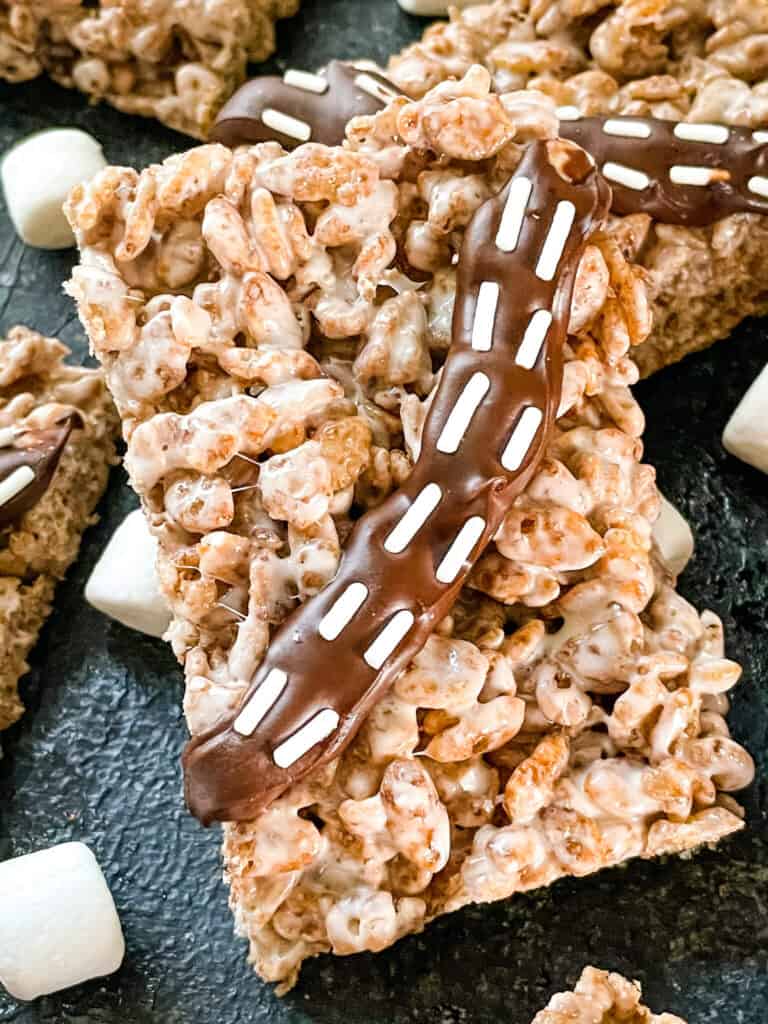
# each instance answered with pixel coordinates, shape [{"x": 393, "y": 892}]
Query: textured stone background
[{"x": 96, "y": 757}]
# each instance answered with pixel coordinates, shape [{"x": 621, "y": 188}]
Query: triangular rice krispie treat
[
  {"x": 275, "y": 329},
  {"x": 176, "y": 60},
  {"x": 702, "y": 62},
  {"x": 601, "y": 997},
  {"x": 57, "y": 442}
]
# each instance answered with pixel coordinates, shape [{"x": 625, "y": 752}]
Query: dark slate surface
[{"x": 96, "y": 756}]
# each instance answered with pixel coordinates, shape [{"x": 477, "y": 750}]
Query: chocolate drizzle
[
  {"x": 349, "y": 93},
  {"x": 740, "y": 163},
  {"x": 40, "y": 451},
  {"x": 542, "y": 220}
]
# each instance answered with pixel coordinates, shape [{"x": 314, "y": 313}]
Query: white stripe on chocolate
[
  {"x": 568, "y": 113},
  {"x": 307, "y": 81},
  {"x": 759, "y": 186},
  {"x": 375, "y": 88},
  {"x": 418, "y": 513},
  {"x": 458, "y": 422},
  {"x": 522, "y": 437},
  {"x": 533, "y": 339},
  {"x": 15, "y": 483},
  {"x": 626, "y": 176},
  {"x": 460, "y": 552},
  {"x": 261, "y": 703},
  {"x": 485, "y": 316},
  {"x": 8, "y": 435},
  {"x": 760, "y": 137},
  {"x": 627, "y": 129},
  {"x": 389, "y": 638},
  {"x": 716, "y": 133},
  {"x": 514, "y": 213},
  {"x": 552, "y": 250},
  {"x": 681, "y": 174},
  {"x": 343, "y": 611},
  {"x": 312, "y": 732},
  {"x": 290, "y": 126}
]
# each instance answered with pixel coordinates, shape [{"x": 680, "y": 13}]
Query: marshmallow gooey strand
[{"x": 406, "y": 560}]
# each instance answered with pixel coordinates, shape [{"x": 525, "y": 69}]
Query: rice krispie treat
[
  {"x": 57, "y": 432},
  {"x": 176, "y": 60},
  {"x": 704, "y": 62},
  {"x": 601, "y": 997},
  {"x": 292, "y": 340}
]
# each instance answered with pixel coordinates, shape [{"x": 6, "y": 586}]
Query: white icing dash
[
  {"x": 485, "y": 316},
  {"x": 459, "y": 553},
  {"x": 232, "y": 611},
  {"x": 553, "y": 248},
  {"x": 760, "y": 137},
  {"x": 759, "y": 186},
  {"x": 420, "y": 510},
  {"x": 533, "y": 339},
  {"x": 716, "y": 133},
  {"x": 522, "y": 438},
  {"x": 389, "y": 638},
  {"x": 627, "y": 129},
  {"x": 8, "y": 435},
  {"x": 286, "y": 125},
  {"x": 15, "y": 483},
  {"x": 307, "y": 81},
  {"x": 316, "y": 729},
  {"x": 261, "y": 702},
  {"x": 343, "y": 611},
  {"x": 374, "y": 88},
  {"x": 626, "y": 176},
  {"x": 682, "y": 175},
  {"x": 568, "y": 113},
  {"x": 461, "y": 415},
  {"x": 514, "y": 213}
]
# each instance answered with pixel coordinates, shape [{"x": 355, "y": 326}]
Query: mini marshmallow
[
  {"x": 434, "y": 7},
  {"x": 746, "y": 435},
  {"x": 673, "y": 538},
  {"x": 123, "y": 584},
  {"x": 58, "y": 923},
  {"x": 37, "y": 175}
]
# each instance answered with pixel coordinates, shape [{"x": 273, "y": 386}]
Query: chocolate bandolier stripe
[
  {"x": 28, "y": 461},
  {"x": 484, "y": 437}
]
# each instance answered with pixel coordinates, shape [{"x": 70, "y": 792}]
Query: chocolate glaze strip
[
  {"x": 678, "y": 172},
  {"x": 486, "y": 432},
  {"x": 302, "y": 107},
  {"x": 31, "y": 456}
]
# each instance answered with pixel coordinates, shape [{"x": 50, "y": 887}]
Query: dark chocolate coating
[
  {"x": 694, "y": 206},
  {"x": 234, "y": 777},
  {"x": 239, "y": 121},
  {"x": 41, "y": 450}
]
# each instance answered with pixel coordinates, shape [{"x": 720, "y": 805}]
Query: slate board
[{"x": 96, "y": 757}]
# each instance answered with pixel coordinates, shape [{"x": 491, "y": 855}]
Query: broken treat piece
[
  {"x": 746, "y": 433},
  {"x": 123, "y": 583},
  {"x": 37, "y": 176},
  {"x": 59, "y": 926},
  {"x": 176, "y": 60},
  {"x": 302, "y": 107},
  {"x": 703, "y": 66},
  {"x": 486, "y": 430},
  {"x": 601, "y": 997},
  {"x": 274, "y": 378},
  {"x": 673, "y": 538},
  {"x": 57, "y": 432}
]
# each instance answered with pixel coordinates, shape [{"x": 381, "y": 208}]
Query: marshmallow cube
[
  {"x": 746, "y": 435},
  {"x": 37, "y": 175},
  {"x": 123, "y": 584},
  {"x": 673, "y": 537},
  {"x": 434, "y": 7},
  {"x": 58, "y": 923}
]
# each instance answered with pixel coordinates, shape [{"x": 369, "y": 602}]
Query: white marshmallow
[
  {"x": 673, "y": 537},
  {"x": 37, "y": 176},
  {"x": 746, "y": 435},
  {"x": 123, "y": 583},
  {"x": 433, "y": 7},
  {"x": 58, "y": 923}
]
